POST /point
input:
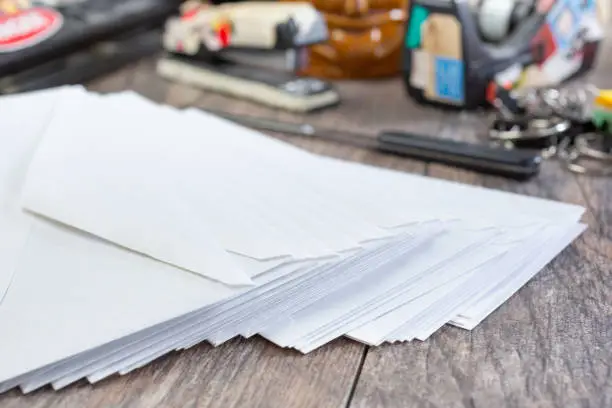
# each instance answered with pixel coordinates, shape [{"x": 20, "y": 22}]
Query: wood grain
[{"x": 239, "y": 373}]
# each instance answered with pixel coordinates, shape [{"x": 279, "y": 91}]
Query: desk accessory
[
  {"x": 460, "y": 53},
  {"x": 248, "y": 50},
  {"x": 591, "y": 150},
  {"x": 515, "y": 164},
  {"x": 365, "y": 39},
  {"x": 573, "y": 124}
]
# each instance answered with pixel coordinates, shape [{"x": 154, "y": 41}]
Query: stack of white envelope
[{"x": 129, "y": 230}]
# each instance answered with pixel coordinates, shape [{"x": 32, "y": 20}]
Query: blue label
[
  {"x": 450, "y": 79},
  {"x": 564, "y": 20}
]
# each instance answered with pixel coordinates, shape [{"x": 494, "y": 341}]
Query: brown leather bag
[{"x": 365, "y": 39}]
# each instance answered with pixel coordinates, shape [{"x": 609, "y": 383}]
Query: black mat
[{"x": 111, "y": 32}]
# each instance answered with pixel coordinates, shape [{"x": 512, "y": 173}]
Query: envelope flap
[{"x": 119, "y": 186}]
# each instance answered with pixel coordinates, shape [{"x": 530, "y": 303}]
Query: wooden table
[{"x": 550, "y": 345}]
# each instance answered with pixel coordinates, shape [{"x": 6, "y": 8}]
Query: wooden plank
[
  {"x": 548, "y": 346},
  {"x": 115, "y": 81},
  {"x": 239, "y": 373}
]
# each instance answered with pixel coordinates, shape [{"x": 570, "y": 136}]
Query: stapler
[{"x": 248, "y": 50}]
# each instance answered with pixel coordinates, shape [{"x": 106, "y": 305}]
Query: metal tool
[
  {"x": 559, "y": 122},
  {"x": 586, "y": 156},
  {"x": 530, "y": 133},
  {"x": 248, "y": 50},
  {"x": 525, "y": 121},
  {"x": 517, "y": 164}
]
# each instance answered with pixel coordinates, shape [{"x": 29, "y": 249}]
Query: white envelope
[
  {"x": 486, "y": 263},
  {"x": 60, "y": 173},
  {"x": 90, "y": 292},
  {"x": 153, "y": 193},
  {"x": 265, "y": 230},
  {"x": 102, "y": 262},
  {"x": 23, "y": 119},
  {"x": 365, "y": 292},
  {"x": 473, "y": 313}
]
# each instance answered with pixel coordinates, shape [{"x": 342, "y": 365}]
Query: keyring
[
  {"x": 577, "y": 157},
  {"x": 535, "y": 133},
  {"x": 570, "y": 103},
  {"x": 583, "y": 144},
  {"x": 528, "y": 128}
]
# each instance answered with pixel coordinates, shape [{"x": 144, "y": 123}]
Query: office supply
[
  {"x": 136, "y": 238},
  {"x": 514, "y": 164},
  {"x": 508, "y": 163},
  {"x": 570, "y": 123},
  {"x": 461, "y": 53},
  {"x": 365, "y": 39},
  {"x": 248, "y": 50}
]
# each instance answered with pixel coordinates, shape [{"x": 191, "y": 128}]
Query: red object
[
  {"x": 544, "y": 42},
  {"x": 224, "y": 33},
  {"x": 491, "y": 92},
  {"x": 188, "y": 15},
  {"x": 28, "y": 27}
]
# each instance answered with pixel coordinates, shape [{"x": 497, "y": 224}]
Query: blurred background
[{"x": 512, "y": 58}]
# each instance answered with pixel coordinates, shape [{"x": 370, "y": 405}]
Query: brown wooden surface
[{"x": 550, "y": 345}]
